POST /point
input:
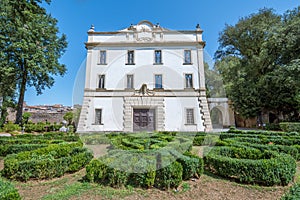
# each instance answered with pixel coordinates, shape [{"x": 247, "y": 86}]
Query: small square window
[
  {"x": 130, "y": 81},
  {"x": 189, "y": 80},
  {"x": 187, "y": 57},
  {"x": 101, "y": 83},
  {"x": 102, "y": 57},
  {"x": 98, "y": 116},
  {"x": 190, "y": 116},
  {"x": 157, "y": 57},
  {"x": 130, "y": 57},
  {"x": 158, "y": 81}
]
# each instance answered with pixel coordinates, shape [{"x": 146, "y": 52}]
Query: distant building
[
  {"x": 42, "y": 113},
  {"x": 145, "y": 78}
]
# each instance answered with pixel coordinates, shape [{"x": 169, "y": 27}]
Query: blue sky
[{"x": 76, "y": 16}]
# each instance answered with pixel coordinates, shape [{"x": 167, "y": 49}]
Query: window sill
[
  {"x": 190, "y": 124},
  {"x": 100, "y": 89},
  {"x": 190, "y": 88},
  {"x": 187, "y": 63},
  {"x": 129, "y": 89},
  {"x": 158, "y": 89},
  {"x": 157, "y": 63},
  {"x": 102, "y": 63},
  {"x": 98, "y": 124},
  {"x": 129, "y": 63}
]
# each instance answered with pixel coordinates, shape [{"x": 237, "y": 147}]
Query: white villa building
[{"x": 145, "y": 78}]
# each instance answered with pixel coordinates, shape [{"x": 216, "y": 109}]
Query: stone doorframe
[{"x": 148, "y": 102}]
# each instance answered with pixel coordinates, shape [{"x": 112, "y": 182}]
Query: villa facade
[{"x": 145, "y": 78}]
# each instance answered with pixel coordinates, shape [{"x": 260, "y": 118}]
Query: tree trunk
[{"x": 21, "y": 98}]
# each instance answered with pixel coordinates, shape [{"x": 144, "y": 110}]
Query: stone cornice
[
  {"x": 135, "y": 93},
  {"x": 155, "y": 31},
  {"x": 89, "y": 45}
]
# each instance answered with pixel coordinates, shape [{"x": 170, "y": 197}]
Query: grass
[{"x": 79, "y": 190}]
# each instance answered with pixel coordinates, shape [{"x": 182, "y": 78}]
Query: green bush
[
  {"x": 48, "y": 162},
  {"x": 291, "y": 150},
  {"x": 10, "y": 127},
  {"x": 290, "y": 126},
  {"x": 8, "y": 191},
  {"x": 16, "y": 148},
  {"x": 192, "y": 165},
  {"x": 169, "y": 176},
  {"x": 293, "y": 194},
  {"x": 250, "y": 165}
]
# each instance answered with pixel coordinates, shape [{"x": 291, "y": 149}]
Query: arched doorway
[{"x": 216, "y": 118}]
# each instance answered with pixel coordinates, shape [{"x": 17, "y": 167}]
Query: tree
[
  {"x": 69, "y": 116},
  {"x": 31, "y": 46},
  {"x": 258, "y": 59},
  {"x": 25, "y": 117}
]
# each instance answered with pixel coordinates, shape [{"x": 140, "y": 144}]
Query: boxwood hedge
[
  {"x": 249, "y": 165},
  {"x": 163, "y": 168},
  {"x": 8, "y": 191},
  {"x": 238, "y": 142},
  {"x": 293, "y": 194},
  {"x": 48, "y": 162}
]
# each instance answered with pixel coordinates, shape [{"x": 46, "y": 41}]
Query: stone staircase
[
  {"x": 204, "y": 109},
  {"x": 84, "y": 115}
]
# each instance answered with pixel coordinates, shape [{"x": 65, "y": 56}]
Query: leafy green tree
[
  {"x": 31, "y": 46},
  {"x": 258, "y": 59},
  {"x": 25, "y": 117},
  {"x": 213, "y": 82},
  {"x": 69, "y": 117}
]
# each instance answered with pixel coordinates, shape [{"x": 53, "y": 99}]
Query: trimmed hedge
[
  {"x": 16, "y": 148},
  {"x": 163, "y": 169},
  {"x": 169, "y": 176},
  {"x": 290, "y": 126},
  {"x": 293, "y": 194},
  {"x": 8, "y": 191},
  {"x": 291, "y": 150},
  {"x": 48, "y": 162},
  {"x": 249, "y": 165}
]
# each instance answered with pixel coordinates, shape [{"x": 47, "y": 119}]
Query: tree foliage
[
  {"x": 30, "y": 47},
  {"x": 259, "y": 60}
]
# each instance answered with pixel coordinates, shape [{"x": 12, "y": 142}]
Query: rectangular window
[
  {"x": 130, "y": 81},
  {"x": 190, "y": 116},
  {"x": 187, "y": 57},
  {"x": 130, "y": 57},
  {"x": 98, "y": 116},
  {"x": 189, "y": 80},
  {"x": 102, "y": 57},
  {"x": 157, "y": 57},
  {"x": 101, "y": 81},
  {"x": 158, "y": 81}
]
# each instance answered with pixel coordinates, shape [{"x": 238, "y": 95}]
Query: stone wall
[{"x": 38, "y": 117}]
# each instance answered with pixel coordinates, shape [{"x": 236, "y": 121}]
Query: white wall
[
  {"x": 175, "y": 114},
  {"x": 112, "y": 114},
  {"x": 144, "y": 69}
]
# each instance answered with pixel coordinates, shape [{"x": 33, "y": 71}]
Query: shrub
[
  {"x": 8, "y": 191},
  {"x": 249, "y": 165},
  {"x": 293, "y": 194},
  {"x": 10, "y": 127},
  {"x": 16, "y": 148},
  {"x": 290, "y": 126},
  {"x": 169, "y": 176},
  {"x": 291, "y": 150},
  {"x": 48, "y": 162},
  {"x": 192, "y": 166}
]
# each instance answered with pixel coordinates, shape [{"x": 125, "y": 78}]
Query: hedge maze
[
  {"x": 160, "y": 159},
  {"x": 255, "y": 157}
]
